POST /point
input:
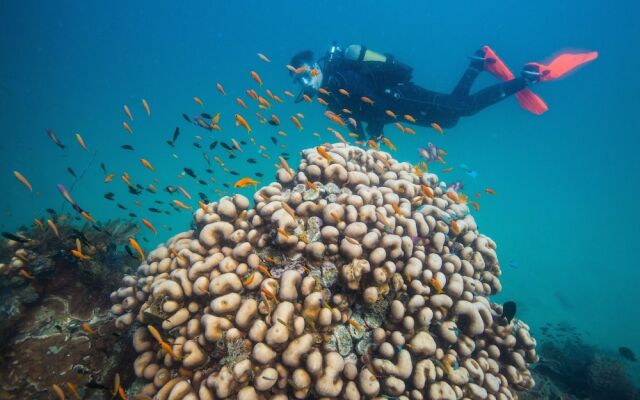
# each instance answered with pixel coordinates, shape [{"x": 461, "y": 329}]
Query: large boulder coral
[{"x": 355, "y": 276}]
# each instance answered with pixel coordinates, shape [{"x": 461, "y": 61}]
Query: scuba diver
[{"x": 377, "y": 89}]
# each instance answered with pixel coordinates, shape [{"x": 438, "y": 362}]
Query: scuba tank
[{"x": 384, "y": 67}]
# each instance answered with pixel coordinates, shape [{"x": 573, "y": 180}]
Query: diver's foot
[
  {"x": 479, "y": 59},
  {"x": 532, "y": 74}
]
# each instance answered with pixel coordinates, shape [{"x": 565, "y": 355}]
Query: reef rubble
[{"x": 354, "y": 276}]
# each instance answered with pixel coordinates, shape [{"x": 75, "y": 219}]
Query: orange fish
[
  {"x": 321, "y": 150},
  {"x": 306, "y": 98},
  {"x": 241, "y": 121},
  {"x": 289, "y": 94},
  {"x": 339, "y": 136},
  {"x": 128, "y": 112},
  {"x": 367, "y": 100},
  {"x": 53, "y": 227},
  {"x": 241, "y": 103},
  {"x": 244, "y": 182},
  {"x": 23, "y": 180},
  {"x": 436, "y": 285},
  {"x": 184, "y": 192},
  {"x": 181, "y": 205},
  {"x": 127, "y": 127},
  {"x": 475, "y": 205},
  {"x": 150, "y": 226},
  {"x": 81, "y": 142},
  {"x": 203, "y": 206},
  {"x": 116, "y": 385},
  {"x": 324, "y": 91},
  {"x": 427, "y": 191},
  {"x": 410, "y": 118},
  {"x": 264, "y": 270},
  {"x": 122, "y": 394},
  {"x": 198, "y": 101},
  {"x": 88, "y": 217},
  {"x": 58, "y": 391},
  {"x": 250, "y": 279},
  {"x": 373, "y": 144},
  {"x": 72, "y": 388},
  {"x": 322, "y": 101},
  {"x": 39, "y": 223},
  {"x": 269, "y": 294},
  {"x": 286, "y": 166},
  {"x": 215, "y": 119},
  {"x": 264, "y": 58},
  {"x": 256, "y": 78},
  {"x": 334, "y": 118},
  {"x": 296, "y": 122},
  {"x": 344, "y": 92},
  {"x": 220, "y": 89},
  {"x": 353, "y": 323},
  {"x": 137, "y": 248},
  {"x": 455, "y": 227},
  {"x": 409, "y": 130},
  {"x": 147, "y": 164},
  {"x": 310, "y": 185},
  {"x": 447, "y": 169},
  {"x": 146, "y": 107},
  {"x": 390, "y": 145},
  {"x": 87, "y": 328},
  {"x": 23, "y": 273},
  {"x": 263, "y": 102},
  {"x": 437, "y": 127},
  {"x": 347, "y": 111}
]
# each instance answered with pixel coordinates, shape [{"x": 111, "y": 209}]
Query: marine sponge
[{"x": 376, "y": 287}]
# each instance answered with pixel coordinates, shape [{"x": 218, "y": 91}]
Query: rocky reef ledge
[{"x": 354, "y": 276}]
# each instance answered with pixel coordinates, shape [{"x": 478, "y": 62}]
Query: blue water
[{"x": 564, "y": 217}]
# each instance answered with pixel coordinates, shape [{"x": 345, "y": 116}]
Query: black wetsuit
[{"x": 389, "y": 86}]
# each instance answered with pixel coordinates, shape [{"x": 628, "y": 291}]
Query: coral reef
[
  {"x": 571, "y": 369},
  {"x": 44, "y": 308},
  {"x": 355, "y": 276}
]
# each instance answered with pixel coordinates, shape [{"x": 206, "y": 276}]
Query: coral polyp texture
[{"x": 354, "y": 276}]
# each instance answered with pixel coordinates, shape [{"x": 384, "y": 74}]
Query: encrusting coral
[{"x": 355, "y": 276}]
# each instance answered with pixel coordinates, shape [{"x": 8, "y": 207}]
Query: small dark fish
[
  {"x": 116, "y": 334},
  {"x": 226, "y": 185},
  {"x": 134, "y": 191},
  {"x": 273, "y": 123},
  {"x": 189, "y": 172},
  {"x": 242, "y": 142},
  {"x": 285, "y": 154},
  {"x": 154, "y": 210},
  {"x": 213, "y": 145},
  {"x": 206, "y": 158},
  {"x": 170, "y": 143},
  {"x": 145, "y": 239},
  {"x": 132, "y": 215},
  {"x": 234, "y": 173},
  {"x": 198, "y": 145},
  {"x": 54, "y": 138},
  {"x": 126, "y": 147},
  {"x": 51, "y": 211},
  {"x": 274, "y": 140},
  {"x": 120, "y": 206},
  {"x": 186, "y": 117},
  {"x": 509, "y": 310},
  {"x": 232, "y": 156},
  {"x": 260, "y": 174},
  {"x": 104, "y": 169},
  {"x": 176, "y": 133},
  {"x": 139, "y": 186},
  {"x": 205, "y": 115},
  {"x": 72, "y": 172},
  {"x": 76, "y": 218},
  {"x": 203, "y": 197},
  {"x": 226, "y": 146},
  {"x": 15, "y": 238},
  {"x": 170, "y": 189},
  {"x": 168, "y": 213},
  {"x": 209, "y": 171},
  {"x": 627, "y": 353},
  {"x": 96, "y": 385},
  {"x": 109, "y": 196},
  {"x": 200, "y": 181},
  {"x": 251, "y": 160},
  {"x": 128, "y": 249},
  {"x": 158, "y": 201},
  {"x": 96, "y": 227}
]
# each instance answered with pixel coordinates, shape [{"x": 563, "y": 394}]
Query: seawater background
[{"x": 565, "y": 216}]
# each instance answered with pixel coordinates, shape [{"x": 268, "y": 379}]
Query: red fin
[
  {"x": 564, "y": 63},
  {"x": 527, "y": 99}
]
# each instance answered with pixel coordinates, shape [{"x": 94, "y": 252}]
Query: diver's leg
[
  {"x": 470, "y": 105},
  {"x": 473, "y": 70},
  {"x": 424, "y": 105},
  {"x": 375, "y": 129}
]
